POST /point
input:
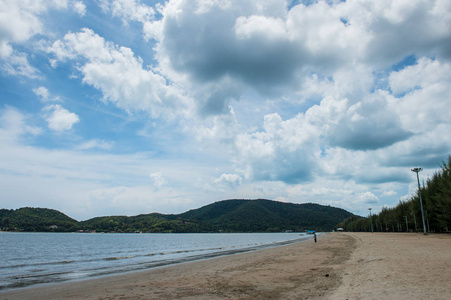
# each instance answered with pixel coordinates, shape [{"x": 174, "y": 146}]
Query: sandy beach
[
  {"x": 397, "y": 266},
  {"x": 339, "y": 266}
]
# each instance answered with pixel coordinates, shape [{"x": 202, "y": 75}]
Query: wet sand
[{"x": 339, "y": 266}]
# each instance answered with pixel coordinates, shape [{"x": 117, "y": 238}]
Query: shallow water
[{"x": 35, "y": 258}]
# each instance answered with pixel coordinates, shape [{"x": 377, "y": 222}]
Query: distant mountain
[
  {"x": 142, "y": 223},
  {"x": 223, "y": 216},
  {"x": 36, "y": 219},
  {"x": 266, "y": 215}
]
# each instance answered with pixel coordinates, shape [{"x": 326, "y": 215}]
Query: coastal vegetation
[
  {"x": 223, "y": 216},
  {"x": 407, "y": 216}
]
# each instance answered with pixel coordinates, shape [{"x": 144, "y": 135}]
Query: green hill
[
  {"x": 141, "y": 223},
  {"x": 36, "y": 219},
  {"x": 223, "y": 216},
  {"x": 266, "y": 215}
]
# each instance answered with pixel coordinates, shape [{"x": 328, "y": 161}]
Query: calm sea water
[{"x": 36, "y": 258}]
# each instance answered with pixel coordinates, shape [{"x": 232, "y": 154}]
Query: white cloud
[
  {"x": 232, "y": 180},
  {"x": 118, "y": 74},
  {"x": 42, "y": 93},
  {"x": 96, "y": 144},
  {"x": 284, "y": 150},
  {"x": 13, "y": 125},
  {"x": 400, "y": 28},
  {"x": 79, "y": 7},
  {"x": 157, "y": 179},
  {"x": 311, "y": 103},
  {"x": 423, "y": 88},
  {"x": 128, "y": 10},
  {"x": 366, "y": 198},
  {"x": 424, "y": 73},
  {"x": 20, "y": 21},
  {"x": 389, "y": 193},
  {"x": 368, "y": 124},
  {"x": 193, "y": 26},
  {"x": 85, "y": 184},
  {"x": 16, "y": 64},
  {"x": 59, "y": 118},
  {"x": 260, "y": 27},
  {"x": 274, "y": 51}
]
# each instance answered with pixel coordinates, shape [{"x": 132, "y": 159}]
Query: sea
[{"x": 29, "y": 259}]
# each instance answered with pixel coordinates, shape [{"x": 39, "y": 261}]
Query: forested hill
[
  {"x": 223, "y": 216},
  {"x": 267, "y": 215},
  {"x": 36, "y": 219}
]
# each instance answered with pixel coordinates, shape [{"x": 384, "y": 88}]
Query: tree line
[{"x": 407, "y": 216}]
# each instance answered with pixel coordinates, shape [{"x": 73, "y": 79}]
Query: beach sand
[
  {"x": 397, "y": 266},
  {"x": 339, "y": 266}
]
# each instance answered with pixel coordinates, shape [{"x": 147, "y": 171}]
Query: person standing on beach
[{"x": 314, "y": 236}]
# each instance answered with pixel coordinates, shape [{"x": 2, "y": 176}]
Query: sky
[{"x": 127, "y": 107}]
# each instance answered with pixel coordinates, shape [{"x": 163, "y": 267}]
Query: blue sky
[{"x": 115, "y": 107}]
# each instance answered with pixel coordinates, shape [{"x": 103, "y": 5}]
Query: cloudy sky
[{"x": 122, "y": 107}]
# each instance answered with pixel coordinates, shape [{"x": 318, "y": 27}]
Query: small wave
[
  {"x": 119, "y": 257},
  {"x": 38, "y": 264},
  {"x": 31, "y": 276},
  {"x": 196, "y": 250}
]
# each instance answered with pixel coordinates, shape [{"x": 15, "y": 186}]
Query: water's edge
[{"x": 58, "y": 278}]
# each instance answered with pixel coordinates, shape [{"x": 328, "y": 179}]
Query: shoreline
[
  {"x": 339, "y": 266},
  {"x": 79, "y": 273},
  {"x": 276, "y": 272}
]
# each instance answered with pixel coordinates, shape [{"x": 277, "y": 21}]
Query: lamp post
[
  {"x": 417, "y": 170},
  {"x": 371, "y": 219}
]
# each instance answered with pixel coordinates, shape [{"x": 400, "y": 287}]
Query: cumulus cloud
[
  {"x": 273, "y": 49},
  {"x": 42, "y": 93},
  {"x": 284, "y": 150},
  {"x": 410, "y": 27},
  {"x": 369, "y": 124},
  {"x": 157, "y": 179},
  {"x": 422, "y": 87},
  {"x": 310, "y": 99},
  {"x": 235, "y": 57},
  {"x": 118, "y": 74},
  {"x": 128, "y": 10},
  {"x": 366, "y": 198},
  {"x": 217, "y": 51},
  {"x": 79, "y": 7},
  {"x": 20, "y": 21},
  {"x": 59, "y": 118},
  {"x": 232, "y": 180}
]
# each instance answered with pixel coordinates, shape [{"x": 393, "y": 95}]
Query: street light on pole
[
  {"x": 417, "y": 170},
  {"x": 371, "y": 219}
]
